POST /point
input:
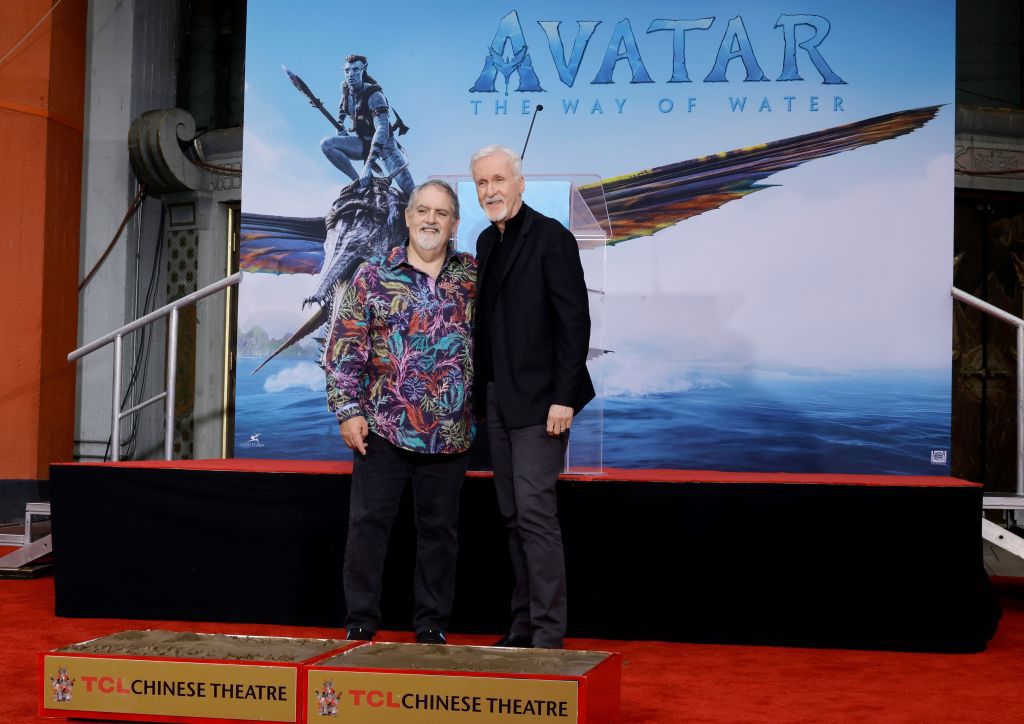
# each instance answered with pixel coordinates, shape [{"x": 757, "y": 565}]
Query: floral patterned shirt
[{"x": 400, "y": 352}]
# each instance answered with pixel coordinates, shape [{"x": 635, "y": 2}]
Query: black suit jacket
[{"x": 540, "y": 331}]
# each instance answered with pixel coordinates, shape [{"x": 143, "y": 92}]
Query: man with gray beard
[
  {"x": 533, "y": 334},
  {"x": 399, "y": 379}
]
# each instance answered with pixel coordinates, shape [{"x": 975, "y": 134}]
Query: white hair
[
  {"x": 443, "y": 185},
  {"x": 513, "y": 157}
]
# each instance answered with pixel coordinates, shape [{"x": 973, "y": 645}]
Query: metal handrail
[
  {"x": 999, "y": 314},
  {"x": 117, "y": 337}
]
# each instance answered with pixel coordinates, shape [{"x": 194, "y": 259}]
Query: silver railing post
[
  {"x": 115, "y": 430},
  {"x": 172, "y": 377},
  {"x": 1020, "y": 410}
]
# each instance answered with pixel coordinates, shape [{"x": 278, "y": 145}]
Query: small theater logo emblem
[
  {"x": 253, "y": 441},
  {"x": 327, "y": 700},
  {"x": 938, "y": 457},
  {"x": 62, "y": 685}
]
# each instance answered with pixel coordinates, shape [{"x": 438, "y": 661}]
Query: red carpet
[{"x": 661, "y": 682}]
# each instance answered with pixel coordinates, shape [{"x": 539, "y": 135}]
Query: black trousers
[
  {"x": 378, "y": 480},
  {"x": 526, "y": 463}
]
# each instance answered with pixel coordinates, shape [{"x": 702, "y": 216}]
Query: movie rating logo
[
  {"x": 939, "y": 457},
  {"x": 62, "y": 685}
]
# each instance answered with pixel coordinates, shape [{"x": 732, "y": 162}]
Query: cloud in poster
[
  {"x": 302, "y": 376},
  {"x": 641, "y": 372},
  {"x": 797, "y": 280},
  {"x": 285, "y": 180}
]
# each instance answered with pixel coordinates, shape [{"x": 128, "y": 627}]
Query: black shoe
[
  {"x": 357, "y": 633},
  {"x": 430, "y": 636},
  {"x": 515, "y": 641}
]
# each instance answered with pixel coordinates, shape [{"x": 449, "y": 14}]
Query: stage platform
[{"x": 850, "y": 561}]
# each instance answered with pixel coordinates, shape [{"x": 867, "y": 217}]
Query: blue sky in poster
[
  {"x": 844, "y": 266},
  {"x": 891, "y": 57}
]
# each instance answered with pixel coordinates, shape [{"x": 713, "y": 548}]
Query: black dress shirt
[{"x": 489, "y": 295}]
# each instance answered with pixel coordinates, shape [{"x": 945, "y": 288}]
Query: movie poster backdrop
[{"x": 778, "y": 178}]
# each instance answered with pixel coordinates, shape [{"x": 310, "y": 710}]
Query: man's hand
[
  {"x": 559, "y": 419},
  {"x": 354, "y": 431}
]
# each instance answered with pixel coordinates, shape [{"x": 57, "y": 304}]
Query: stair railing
[{"x": 117, "y": 336}]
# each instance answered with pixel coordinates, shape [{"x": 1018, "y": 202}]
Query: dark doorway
[{"x": 989, "y": 263}]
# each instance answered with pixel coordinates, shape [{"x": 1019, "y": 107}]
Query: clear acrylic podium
[{"x": 578, "y": 201}]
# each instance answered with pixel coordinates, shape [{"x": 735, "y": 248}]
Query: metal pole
[
  {"x": 1020, "y": 410},
  {"x": 172, "y": 377},
  {"x": 115, "y": 428}
]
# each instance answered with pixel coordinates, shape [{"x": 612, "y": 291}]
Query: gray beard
[
  {"x": 498, "y": 215},
  {"x": 428, "y": 244}
]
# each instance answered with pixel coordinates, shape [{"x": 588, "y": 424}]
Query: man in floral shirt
[{"x": 399, "y": 363}]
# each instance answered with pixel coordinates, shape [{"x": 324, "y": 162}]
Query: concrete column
[{"x": 131, "y": 68}]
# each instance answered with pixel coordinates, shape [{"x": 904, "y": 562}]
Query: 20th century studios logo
[{"x": 253, "y": 441}]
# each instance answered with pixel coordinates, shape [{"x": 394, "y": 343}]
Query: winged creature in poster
[{"x": 367, "y": 218}]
